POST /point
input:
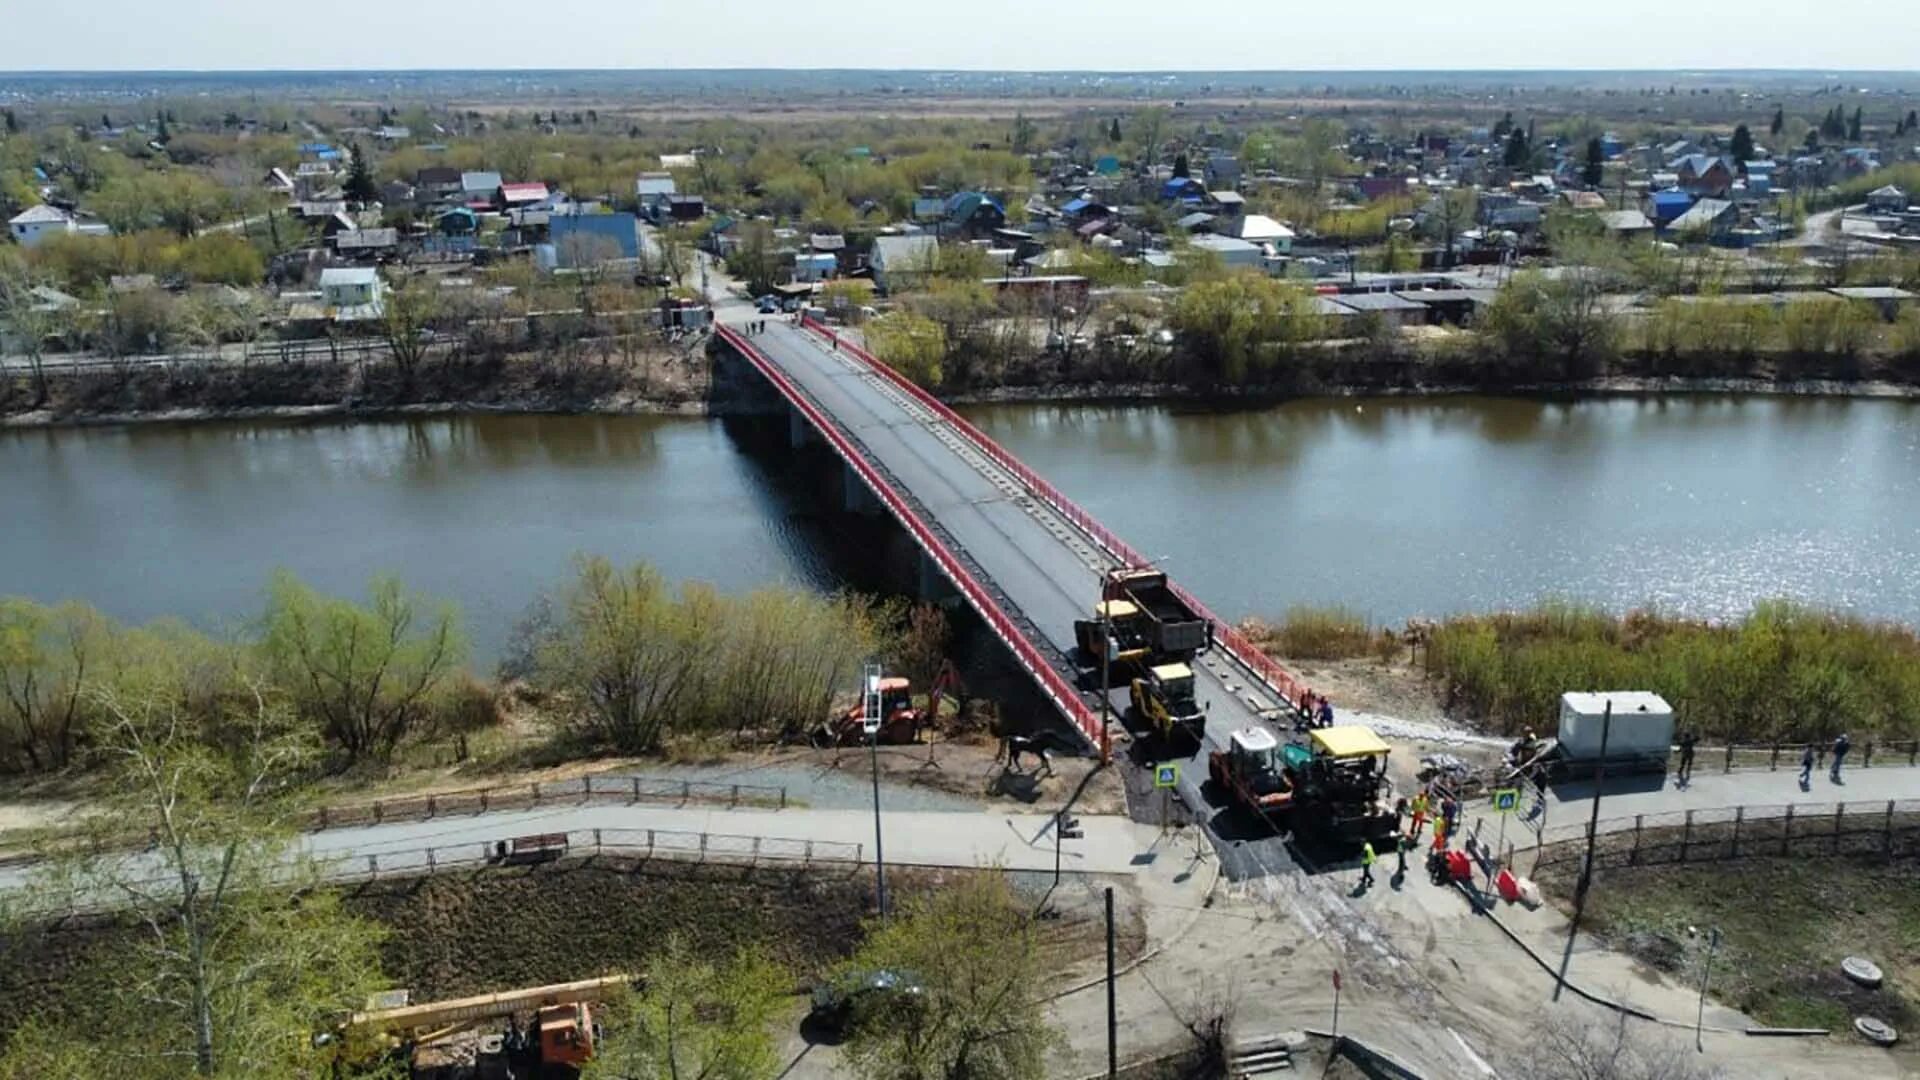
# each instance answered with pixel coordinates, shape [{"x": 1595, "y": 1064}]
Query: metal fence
[
  {"x": 618, "y": 789},
  {"x": 1772, "y": 756},
  {"x": 1886, "y": 829},
  {"x": 412, "y": 862},
  {"x": 1261, "y": 666}
]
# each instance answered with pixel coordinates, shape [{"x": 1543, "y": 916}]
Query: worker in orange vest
[{"x": 1419, "y": 812}]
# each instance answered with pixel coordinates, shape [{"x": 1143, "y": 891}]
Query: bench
[{"x": 540, "y": 847}]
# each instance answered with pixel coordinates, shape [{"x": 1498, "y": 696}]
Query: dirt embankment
[
  {"x": 689, "y": 384},
  {"x": 1353, "y": 370},
  {"x": 1787, "y": 923},
  {"x": 650, "y": 383},
  {"x": 472, "y": 931}
]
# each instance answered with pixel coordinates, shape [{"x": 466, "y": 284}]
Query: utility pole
[
  {"x": 1106, "y": 689},
  {"x": 870, "y": 718},
  {"x": 1113, "y": 1023},
  {"x": 1586, "y": 864}
]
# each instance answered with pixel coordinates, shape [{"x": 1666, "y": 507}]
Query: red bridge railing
[
  {"x": 1263, "y": 667},
  {"x": 1049, "y": 680}
]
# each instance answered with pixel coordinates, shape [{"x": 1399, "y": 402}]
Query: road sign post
[
  {"x": 1506, "y": 801},
  {"x": 1166, "y": 776},
  {"x": 1336, "y": 1004}
]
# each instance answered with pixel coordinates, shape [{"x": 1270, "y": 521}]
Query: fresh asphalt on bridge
[{"x": 1043, "y": 570}]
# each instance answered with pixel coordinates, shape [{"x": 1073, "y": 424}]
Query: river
[{"x": 1391, "y": 507}]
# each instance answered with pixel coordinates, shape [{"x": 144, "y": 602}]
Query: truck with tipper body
[{"x": 1147, "y": 621}]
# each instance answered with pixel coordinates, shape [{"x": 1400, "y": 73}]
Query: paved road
[
  {"x": 1764, "y": 793},
  {"x": 1110, "y": 844},
  {"x": 1045, "y": 570},
  {"x": 930, "y": 838}
]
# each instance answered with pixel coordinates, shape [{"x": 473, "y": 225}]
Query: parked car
[
  {"x": 841, "y": 1001},
  {"x": 767, "y": 305}
]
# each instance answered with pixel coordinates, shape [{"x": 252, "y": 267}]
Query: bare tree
[
  {"x": 234, "y": 955},
  {"x": 1567, "y": 1047},
  {"x": 406, "y": 320},
  {"x": 27, "y": 320}
]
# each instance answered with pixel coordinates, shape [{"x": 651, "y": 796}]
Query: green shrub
[{"x": 1784, "y": 672}]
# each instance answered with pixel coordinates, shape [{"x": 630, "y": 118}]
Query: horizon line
[{"x": 945, "y": 69}]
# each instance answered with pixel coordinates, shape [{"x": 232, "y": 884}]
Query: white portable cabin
[{"x": 1641, "y": 725}]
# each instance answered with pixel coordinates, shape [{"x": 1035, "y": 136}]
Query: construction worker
[
  {"x": 1439, "y": 834},
  {"x": 1419, "y": 807},
  {"x": 1366, "y": 864},
  {"x": 1402, "y": 844}
]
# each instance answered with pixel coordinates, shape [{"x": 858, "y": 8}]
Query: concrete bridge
[{"x": 1017, "y": 550}]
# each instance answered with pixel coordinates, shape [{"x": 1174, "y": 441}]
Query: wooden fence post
[
  {"x": 636, "y": 789},
  {"x": 1773, "y": 763},
  {"x": 1786, "y": 833},
  {"x": 1739, "y": 815},
  {"x": 429, "y": 860},
  {"x": 596, "y": 841},
  {"x": 323, "y": 817},
  {"x": 1886, "y": 846},
  {"x": 432, "y": 806},
  {"x": 1633, "y": 857},
  {"x": 1686, "y": 837},
  {"x": 1839, "y": 812},
  {"x": 1729, "y": 765},
  {"x": 536, "y": 792},
  {"x": 379, "y": 810},
  {"x": 1866, "y": 755},
  {"x": 373, "y": 866}
]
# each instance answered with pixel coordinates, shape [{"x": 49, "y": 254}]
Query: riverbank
[
  {"x": 1783, "y": 673},
  {"x": 650, "y": 383},
  {"x": 685, "y": 384}
]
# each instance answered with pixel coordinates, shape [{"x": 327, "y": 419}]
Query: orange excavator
[{"x": 900, "y": 721}]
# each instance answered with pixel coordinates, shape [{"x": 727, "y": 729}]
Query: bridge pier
[
  {"x": 933, "y": 586},
  {"x": 799, "y": 430},
  {"x": 855, "y": 496}
]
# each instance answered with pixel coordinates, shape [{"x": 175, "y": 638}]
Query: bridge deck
[{"x": 1041, "y": 567}]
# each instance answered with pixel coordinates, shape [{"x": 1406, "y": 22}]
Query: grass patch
[
  {"x": 1317, "y": 633},
  {"x": 1786, "y": 925},
  {"x": 1784, "y": 672}
]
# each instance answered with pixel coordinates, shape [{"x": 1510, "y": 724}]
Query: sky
[{"x": 976, "y": 34}]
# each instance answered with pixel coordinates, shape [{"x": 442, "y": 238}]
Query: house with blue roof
[
  {"x": 1665, "y": 207},
  {"x": 1183, "y": 189},
  {"x": 587, "y": 239}
]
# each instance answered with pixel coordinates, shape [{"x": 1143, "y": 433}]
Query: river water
[{"x": 1391, "y": 507}]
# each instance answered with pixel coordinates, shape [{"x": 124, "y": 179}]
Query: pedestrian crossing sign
[
  {"x": 1165, "y": 776},
  {"x": 1506, "y": 800}
]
